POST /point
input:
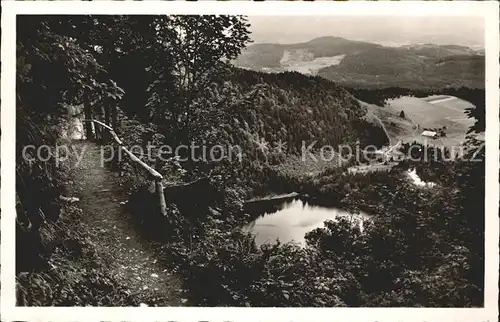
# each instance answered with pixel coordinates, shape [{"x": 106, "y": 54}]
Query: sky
[{"x": 385, "y": 30}]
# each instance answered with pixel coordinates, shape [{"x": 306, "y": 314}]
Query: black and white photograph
[{"x": 246, "y": 160}]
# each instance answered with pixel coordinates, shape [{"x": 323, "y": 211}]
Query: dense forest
[{"x": 168, "y": 80}]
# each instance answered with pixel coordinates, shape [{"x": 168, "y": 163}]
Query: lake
[{"x": 291, "y": 220}]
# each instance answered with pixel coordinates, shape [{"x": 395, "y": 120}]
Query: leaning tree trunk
[{"x": 87, "y": 110}]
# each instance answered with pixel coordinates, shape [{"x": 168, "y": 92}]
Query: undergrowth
[{"x": 72, "y": 273}]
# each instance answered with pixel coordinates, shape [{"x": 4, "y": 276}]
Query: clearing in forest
[{"x": 433, "y": 112}]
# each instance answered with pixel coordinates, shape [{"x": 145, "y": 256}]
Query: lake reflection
[{"x": 292, "y": 220}]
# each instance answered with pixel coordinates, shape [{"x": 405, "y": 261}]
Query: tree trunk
[
  {"x": 87, "y": 110},
  {"x": 105, "y": 108},
  {"x": 161, "y": 195},
  {"x": 107, "y": 112},
  {"x": 114, "y": 115}
]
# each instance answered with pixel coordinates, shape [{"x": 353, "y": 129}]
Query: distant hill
[
  {"x": 368, "y": 65},
  {"x": 259, "y": 56},
  {"x": 438, "y": 51},
  {"x": 386, "y": 67}
]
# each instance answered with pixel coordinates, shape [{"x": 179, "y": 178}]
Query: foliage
[
  {"x": 198, "y": 48},
  {"x": 219, "y": 273},
  {"x": 70, "y": 272}
]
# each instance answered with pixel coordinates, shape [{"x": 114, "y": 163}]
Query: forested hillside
[
  {"x": 285, "y": 107},
  {"x": 311, "y": 109},
  {"x": 387, "y": 67},
  {"x": 158, "y": 81}
]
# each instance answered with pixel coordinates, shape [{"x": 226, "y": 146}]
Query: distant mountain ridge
[
  {"x": 365, "y": 64},
  {"x": 410, "y": 67},
  {"x": 268, "y": 55}
]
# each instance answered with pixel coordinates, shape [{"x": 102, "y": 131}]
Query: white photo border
[{"x": 489, "y": 10}]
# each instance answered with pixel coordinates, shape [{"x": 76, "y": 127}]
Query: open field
[
  {"x": 311, "y": 67},
  {"x": 430, "y": 112}
]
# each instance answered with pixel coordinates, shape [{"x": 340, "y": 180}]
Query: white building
[{"x": 430, "y": 134}]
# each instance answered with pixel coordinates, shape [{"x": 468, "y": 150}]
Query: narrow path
[{"x": 105, "y": 222}]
